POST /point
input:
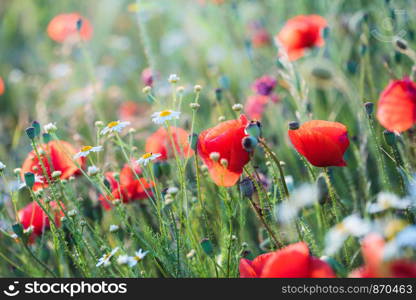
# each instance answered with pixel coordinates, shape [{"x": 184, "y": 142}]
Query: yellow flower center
[
  {"x": 146, "y": 155},
  {"x": 137, "y": 258},
  {"x": 86, "y": 148},
  {"x": 341, "y": 227},
  {"x": 165, "y": 113},
  {"x": 113, "y": 124}
]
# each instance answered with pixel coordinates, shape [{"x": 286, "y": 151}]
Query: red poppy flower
[
  {"x": 161, "y": 142},
  {"x": 64, "y": 26},
  {"x": 147, "y": 77},
  {"x": 264, "y": 85},
  {"x": 300, "y": 33},
  {"x": 128, "y": 189},
  {"x": 255, "y": 106},
  {"x": 2, "y": 88},
  {"x": 260, "y": 38},
  {"x": 396, "y": 109},
  {"x": 323, "y": 143},
  {"x": 225, "y": 139},
  {"x": 128, "y": 110},
  {"x": 372, "y": 249},
  {"x": 33, "y": 215},
  {"x": 293, "y": 261},
  {"x": 58, "y": 157}
]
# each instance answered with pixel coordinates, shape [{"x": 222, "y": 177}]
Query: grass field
[{"x": 227, "y": 138}]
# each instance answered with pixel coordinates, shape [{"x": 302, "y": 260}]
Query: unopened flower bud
[
  {"x": 221, "y": 119},
  {"x": 293, "y": 125},
  {"x": 56, "y": 174},
  {"x": 237, "y": 107},
  {"x": 180, "y": 89},
  {"x": 249, "y": 143},
  {"x": 197, "y": 88},
  {"x": 194, "y": 105},
  {"x": 36, "y": 125},
  {"x": 147, "y": 89},
  {"x": 254, "y": 129},
  {"x": 29, "y": 179},
  {"x": 99, "y": 124},
  {"x": 369, "y": 108},
  {"x": 31, "y": 132},
  {"x": 247, "y": 187},
  {"x": 389, "y": 137},
  {"x": 215, "y": 156},
  {"x": 224, "y": 162}
]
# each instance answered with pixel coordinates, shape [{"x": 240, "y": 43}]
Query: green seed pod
[
  {"x": 254, "y": 129},
  {"x": 29, "y": 179},
  {"x": 249, "y": 143}
]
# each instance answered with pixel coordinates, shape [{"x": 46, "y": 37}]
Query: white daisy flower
[
  {"x": 352, "y": 225},
  {"x": 50, "y": 127},
  {"x": 403, "y": 240},
  {"x": 139, "y": 255},
  {"x": 2, "y": 166},
  {"x": 105, "y": 259},
  {"x": 86, "y": 150},
  {"x": 114, "y": 228},
  {"x": 387, "y": 201},
  {"x": 161, "y": 117},
  {"x": 147, "y": 157},
  {"x": 93, "y": 170},
  {"x": 113, "y": 126},
  {"x": 303, "y": 196}
]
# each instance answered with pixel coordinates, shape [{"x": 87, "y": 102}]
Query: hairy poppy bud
[
  {"x": 36, "y": 125},
  {"x": 46, "y": 138},
  {"x": 29, "y": 179},
  {"x": 18, "y": 229},
  {"x": 247, "y": 187},
  {"x": 369, "y": 108},
  {"x": 79, "y": 24},
  {"x": 218, "y": 94},
  {"x": 31, "y": 132},
  {"x": 249, "y": 143},
  {"x": 293, "y": 125},
  {"x": 389, "y": 137},
  {"x": 207, "y": 246},
  {"x": 193, "y": 141}
]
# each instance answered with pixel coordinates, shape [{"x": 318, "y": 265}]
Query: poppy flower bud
[
  {"x": 218, "y": 94},
  {"x": 157, "y": 170},
  {"x": 221, "y": 118},
  {"x": 237, "y": 107},
  {"x": 323, "y": 191},
  {"x": 147, "y": 89},
  {"x": 389, "y": 137},
  {"x": 249, "y": 143},
  {"x": 321, "y": 73},
  {"x": 197, "y": 88},
  {"x": 31, "y": 132},
  {"x": 247, "y": 188},
  {"x": 194, "y": 105},
  {"x": 293, "y": 125},
  {"x": 79, "y": 24},
  {"x": 180, "y": 89},
  {"x": 36, "y": 125},
  {"x": 369, "y": 108},
  {"x": 207, "y": 246},
  {"x": 29, "y": 179},
  {"x": 56, "y": 174},
  {"x": 224, "y": 162},
  {"x": 17, "y": 171},
  {"x": 400, "y": 44},
  {"x": 254, "y": 129},
  {"x": 99, "y": 124}
]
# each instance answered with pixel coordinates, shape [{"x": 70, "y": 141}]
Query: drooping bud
[
  {"x": 247, "y": 187},
  {"x": 369, "y": 108},
  {"x": 36, "y": 125},
  {"x": 389, "y": 137}
]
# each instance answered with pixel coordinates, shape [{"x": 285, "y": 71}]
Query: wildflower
[
  {"x": 173, "y": 78},
  {"x": 114, "y": 228},
  {"x": 147, "y": 77},
  {"x": 197, "y": 88},
  {"x": 72, "y": 213},
  {"x": 127, "y": 188},
  {"x": 56, "y": 174},
  {"x": 32, "y": 216},
  {"x": 173, "y": 190},
  {"x": 405, "y": 239},
  {"x": 264, "y": 85},
  {"x": 123, "y": 259},
  {"x": 303, "y": 196},
  {"x": 56, "y": 156},
  {"x": 165, "y": 115},
  {"x": 105, "y": 259},
  {"x": 373, "y": 248},
  {"x": 147, "y": 157},
  {"x": 260, "y": 38},
  {"x": 387, "y": 201},
  {"x": 397, "y": 105},
  {"x": 293, "y": 261},
  {"x": 301, "y": 33},
  {"x": 352, "y": 225},
  {"x": 114, "y": 126},
  {"x": 93, "y": 170},
  {"x": 1, "y": 86},
  {"x": 323, "y": 143},
  {"x": 161, "y": 142},
  {"x": 66, "y": 26},
  {"x": 226, "y": 139},
  {"x": 138, "y": 256},
  {"x": 86, "y": 150},
  {"x": 2, "y": 167},
  {"x": 255, "y": 106}
]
